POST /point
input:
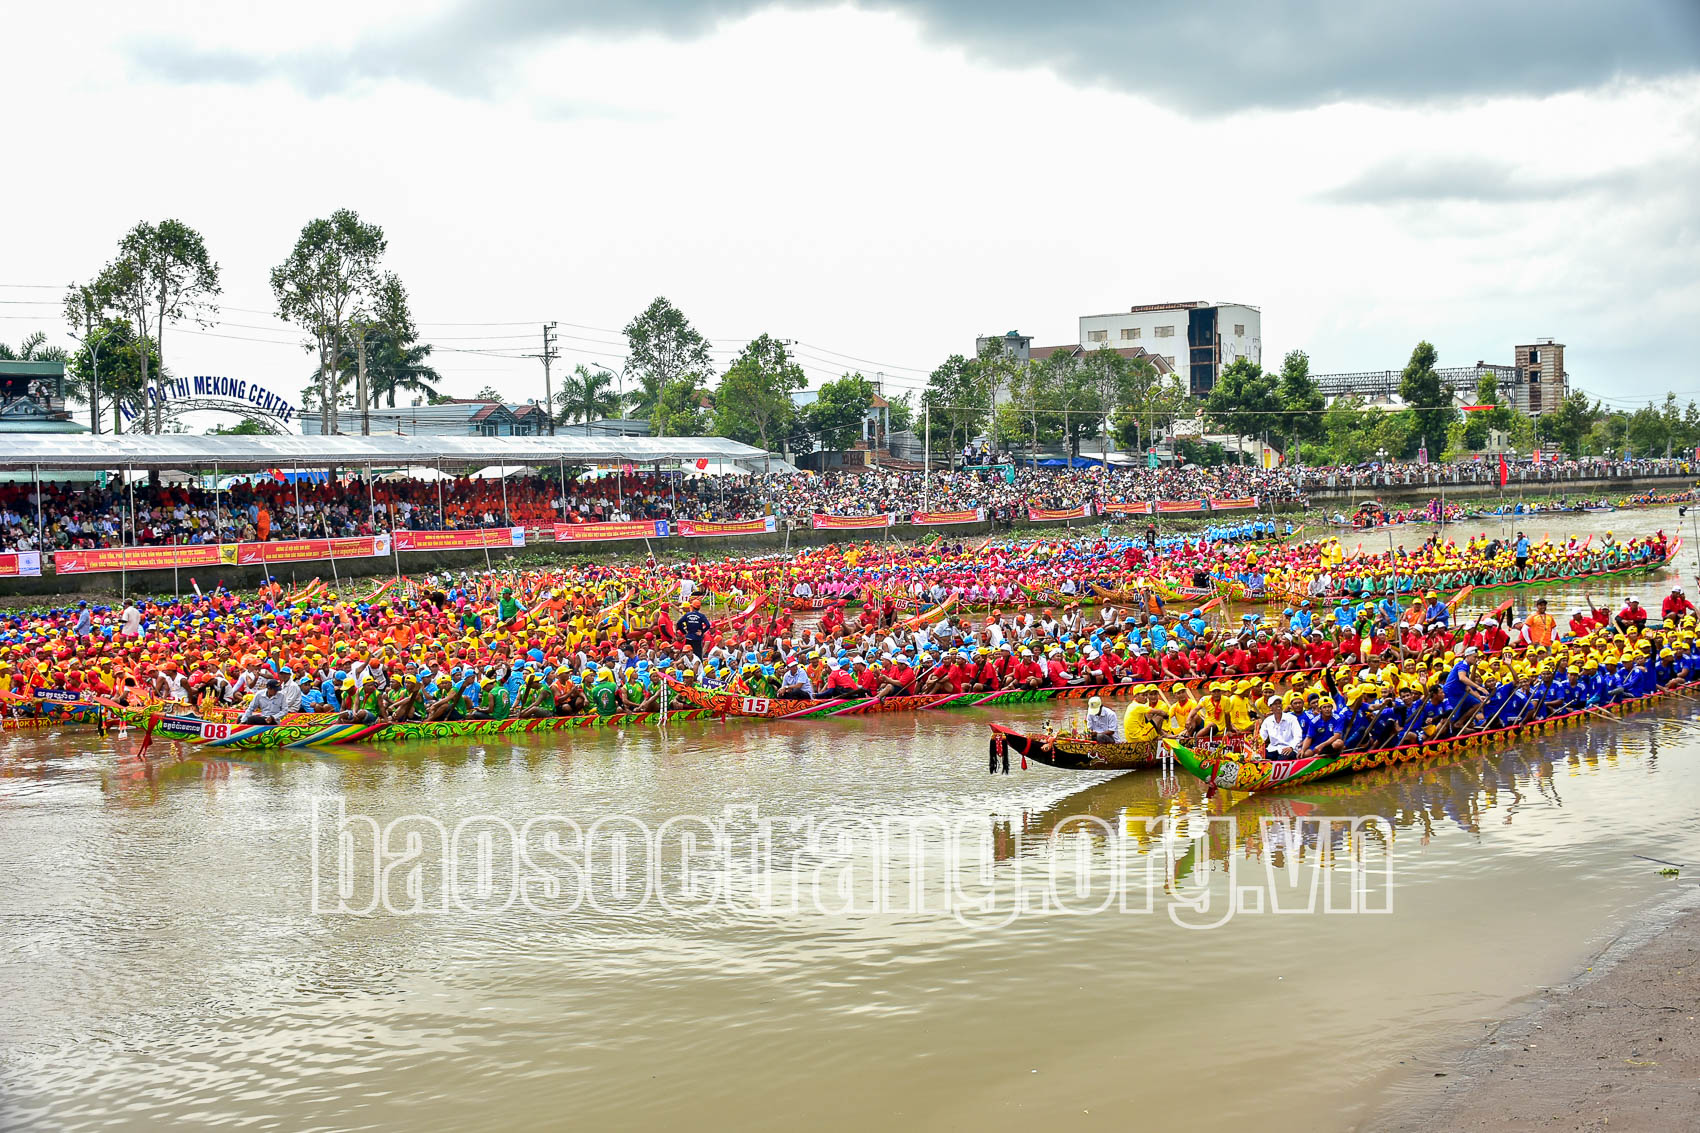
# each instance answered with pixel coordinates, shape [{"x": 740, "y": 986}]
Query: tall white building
[{"x": 1196, "y": 339}]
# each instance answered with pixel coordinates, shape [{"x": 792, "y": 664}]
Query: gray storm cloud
[{"x": 1204, "y": 57}]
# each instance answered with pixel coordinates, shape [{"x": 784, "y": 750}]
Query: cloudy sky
[{"x": 882, "y": 181}]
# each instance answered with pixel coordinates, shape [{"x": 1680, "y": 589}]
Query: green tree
[
  {"x": 1479, "y": 423},
  {"x": 1301, "y": 402},
  {"x": 1353, "y": 433},
  {"x": 753, "y": 403},
  {"x": 1148, "y": 406},
  {"x": 902, "y": 410},
  {"x": 396, "y": 361},
  {"x": 330, "y": 270},
  {"x": 835, "y": 416},
  {"x": 247, "y": 427},
  {"x": 86, "y": 308},
  {"x": 33, "y": 348},
  {"x": 123, "y": 367},
  {"x": 162, "y": 273},
  {"x": 586, "y": 395},
  {"x": 1648, "y": 432},
  {"x": 1027, "y": 416},
  {"x": 663, "y": 350},
  {"x": 1082, "y": 400},
  {"x": 682, "y": 411},
  {"x": 1569, "y": 425},
  {"x": 958, "y": 397},
  {"x": 1245, "y": 401},
  {"x": 1426, "y": 395}
]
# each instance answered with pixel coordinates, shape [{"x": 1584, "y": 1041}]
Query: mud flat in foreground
[{"x": 1616, "y": 1048}]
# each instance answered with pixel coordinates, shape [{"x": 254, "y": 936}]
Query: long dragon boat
[
  {"x": 1417, "y": 585},
  {"x": 1236, "y": 771},
  {"x": 726, "y": 704},
  {"x": 1072, "y": 753},
  {"x": 326, "y": 731},
  {"x": 48, "y": 707},
  {"x": 729, "y": 703}
]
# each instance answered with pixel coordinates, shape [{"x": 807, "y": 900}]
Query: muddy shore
[{"x": 1618, "y": 1047}]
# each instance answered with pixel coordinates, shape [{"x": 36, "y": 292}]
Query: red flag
[
  {"x": 702, "y": 464},
  {"x": 1504, "y": 472}
]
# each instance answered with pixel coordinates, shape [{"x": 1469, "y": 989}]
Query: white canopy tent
[{"x": 178, "y": 450}]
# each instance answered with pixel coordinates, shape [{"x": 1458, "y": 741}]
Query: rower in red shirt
[
  {"x": 1141, "y": 667},
  {"x": 840, "y": 681},
  {"x": 900, "y": 677},
  {"x": 867, "y": 678},
  {"x": 1175, "y": 665}
]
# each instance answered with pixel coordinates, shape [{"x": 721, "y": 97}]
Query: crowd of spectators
[{"x": 151, "y": 513}]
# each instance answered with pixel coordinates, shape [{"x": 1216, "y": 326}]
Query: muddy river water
[{"x": 829, "y": 925}]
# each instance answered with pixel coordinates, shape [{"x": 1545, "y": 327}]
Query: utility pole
[
  {"x": 548, "y": 385},
  {"x": 365, "y": 394},
  {"x": 927, "y": 454}
]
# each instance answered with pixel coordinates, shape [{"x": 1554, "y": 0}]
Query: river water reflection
[{"x": 165, "y": 965}]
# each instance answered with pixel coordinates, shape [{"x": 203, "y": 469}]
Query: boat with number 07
[{"x": 1232, "y": 770}]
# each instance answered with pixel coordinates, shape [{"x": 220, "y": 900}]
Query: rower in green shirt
[{"x": 604, "y": 697}]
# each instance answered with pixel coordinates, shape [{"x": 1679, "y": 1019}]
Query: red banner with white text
[
  {"x": 1180, "y": 505},
  {"x": 1140, "y": 508},
  {"x": 492, "y": 537},
  {"x": 849, "y": 522},
  {"x": 308, "y": 550},
  {"x": 1226, "y": 503},
  {"x": 945, "y": 518},
  {"x": 621, "y": 529},
  {"x": 20, "y": 564},
  {"x": 104, "y": 559},
  {"x": 1039, "y": 513},
  {"x": 700, "y": 529}
]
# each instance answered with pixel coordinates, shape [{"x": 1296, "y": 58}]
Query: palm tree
[
  {"x": 33, "y": 348},
  {"x": 587, "y": 395},
  {"x": 402, "y": 366},
  {"x": 643, "y": 400},
  {"x": 394, "y": 363}
]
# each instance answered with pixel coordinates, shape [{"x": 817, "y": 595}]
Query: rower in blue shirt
[
  {"x": 1495, "y": 704},
  {"x": 1323, "y": 732},
  {"x": 1392, "y": 713},
  {"x": 1344, "y": 615},
  {"x": 1560, "y": 694},
  {"x": 1463, "y": 695}
]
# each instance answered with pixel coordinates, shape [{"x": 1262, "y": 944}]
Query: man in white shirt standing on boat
[{"x": 130, "y": 621}]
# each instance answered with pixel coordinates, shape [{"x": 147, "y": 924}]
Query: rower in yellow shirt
[
  {"x": 1145, "y": 716},
  {"x": 1241, "y": 715},
  {"x": 1181, "y": 710}
]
